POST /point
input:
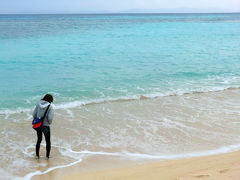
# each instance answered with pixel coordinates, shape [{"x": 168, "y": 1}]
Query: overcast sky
[{"x": 78, "y": 6}]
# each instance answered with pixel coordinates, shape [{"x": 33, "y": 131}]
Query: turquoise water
[{"x": 89, "y": 58}]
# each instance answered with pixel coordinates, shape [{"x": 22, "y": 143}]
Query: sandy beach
[{"x": 216, "y": 167}]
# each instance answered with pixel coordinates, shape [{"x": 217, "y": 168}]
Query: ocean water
[
  {"x": 156, "y": 86},
  {"x": 94, "y": 57}
]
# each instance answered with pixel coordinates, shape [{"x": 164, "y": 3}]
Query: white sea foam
[
  {"x": 133, "y": 156},
  {"x": 17, "y": 111},
  {"x": 70, "y": 113},
  {"x": 30, "y": 175},
  {"x": 221, "y": 150},
  {"x": 74, "y": 104},
  {"x": 136, "y": 97}
]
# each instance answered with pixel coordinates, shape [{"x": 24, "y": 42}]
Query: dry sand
[{"x": 216, "y": 167}]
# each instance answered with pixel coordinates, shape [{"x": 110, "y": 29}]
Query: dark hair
[{"x": 48, "y": 98}]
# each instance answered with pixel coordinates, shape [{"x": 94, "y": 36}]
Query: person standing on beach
[{"x": 39, "y": 111}]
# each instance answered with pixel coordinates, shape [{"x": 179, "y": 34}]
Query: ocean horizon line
[{"x": 125, "y": 13}]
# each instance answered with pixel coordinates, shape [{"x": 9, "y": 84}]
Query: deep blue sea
[{"x": 88, "y": 58}]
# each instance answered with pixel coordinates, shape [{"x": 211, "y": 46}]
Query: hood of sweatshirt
[{"x": 43, "y": 104}]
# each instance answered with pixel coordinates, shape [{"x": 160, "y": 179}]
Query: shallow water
[
  {"x": 156, "y": 128},
  {"x": 87, "y": 58}
]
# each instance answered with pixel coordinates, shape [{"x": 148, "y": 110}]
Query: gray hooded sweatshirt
[{"x": 40, "y": 110}]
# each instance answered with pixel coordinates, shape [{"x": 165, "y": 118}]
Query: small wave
[
  {"x": 75, "y": 104},
  {"x": 17, "y": 111},
  {"x": 221, "y": 150},
  {"x": 30, "y": 175},
  {"x": 134, "y": 156},
  {"x": 141, "y": 97}
]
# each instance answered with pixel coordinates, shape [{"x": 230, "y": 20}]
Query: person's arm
[
  {"x": 35, "y": 112},
  {"x": 50, "y": 115}
]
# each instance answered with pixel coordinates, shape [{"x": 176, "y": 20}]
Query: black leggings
[{"x": 46, "y": 131}]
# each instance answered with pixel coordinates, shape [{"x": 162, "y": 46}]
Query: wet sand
[
  {"x": 119, "y": 134},
  {"x": 216, "y": 167}
]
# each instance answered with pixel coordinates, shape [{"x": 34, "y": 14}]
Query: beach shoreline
[
  {"x": 192, "y": 126},
  {"x": 215, "y": 167}
]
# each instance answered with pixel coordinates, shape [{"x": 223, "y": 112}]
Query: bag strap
[{"x": 46, "y": 112}]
